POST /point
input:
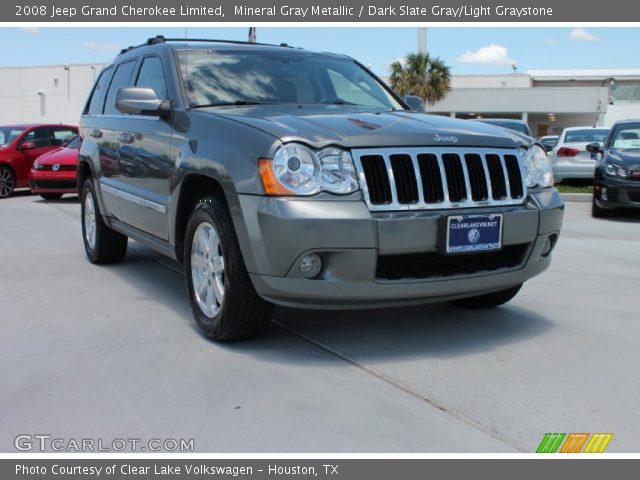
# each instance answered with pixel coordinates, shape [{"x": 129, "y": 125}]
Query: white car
[{"x": 570, "y": 158}]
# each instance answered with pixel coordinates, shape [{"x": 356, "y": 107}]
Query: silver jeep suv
[{"x": 281, "y": 176}]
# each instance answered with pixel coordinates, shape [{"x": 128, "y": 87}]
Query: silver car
[{"x": 570, "y": 158}]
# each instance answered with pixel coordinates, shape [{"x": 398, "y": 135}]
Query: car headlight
[
  {"x": 298, "y": 170},
  {"x": 538, "y": 167},
  {"x": 36, "y": 165},
  {"x": 615, "y": 170}
]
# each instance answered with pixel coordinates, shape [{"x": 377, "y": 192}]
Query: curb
[{"x": 576, "y": 197}]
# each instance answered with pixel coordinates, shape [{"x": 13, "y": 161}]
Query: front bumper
[
  {"x": 48, "y": 181},
  {"x": 356, "y": 246},
  {"x": 619, "y": 193}
]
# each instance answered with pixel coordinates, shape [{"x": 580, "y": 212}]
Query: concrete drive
[{"x": 112, "y": 352}]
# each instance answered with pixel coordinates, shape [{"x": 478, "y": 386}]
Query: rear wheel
[
  {"x": 51, "y": 196},
  {"x": 488, "y": 300},
  {"x": 224, "y": 303},
  {"x": 596, "y": 211},
  {"x": 102, "y": 244},
  {"x": 7, "y": 181}
]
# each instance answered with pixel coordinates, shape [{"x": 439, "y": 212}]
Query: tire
[
  {"x": 214, "y": 267},
  {"x": 51, "y": 196},
  {"x": 101, "y": 244},
  {"x": 489, "y": 300},
  {"x": 7, "y": 181},
  {"x": 596, "y": 211}
]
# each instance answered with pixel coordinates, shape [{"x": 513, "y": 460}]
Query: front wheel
[
  {"x": 224, "y": 303},
  {"x": 596, "y": 211},
  {"x": 489, "y": 300},
  {"x": 7, "y": 181},
  {"x": 102, "y": 244}
]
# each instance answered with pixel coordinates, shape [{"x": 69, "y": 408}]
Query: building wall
[{"x": 45, "y": 94}]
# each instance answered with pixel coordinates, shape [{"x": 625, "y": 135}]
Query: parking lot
[{"x": 113, "y": 352}]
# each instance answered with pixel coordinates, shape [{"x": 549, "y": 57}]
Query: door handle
[
  {"x": 95, "y": 133},
  {"x": 126, "y": 137}
]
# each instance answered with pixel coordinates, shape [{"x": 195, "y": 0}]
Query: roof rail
[{"x": 161, "y": 39}]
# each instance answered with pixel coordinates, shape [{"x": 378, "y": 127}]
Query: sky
[{"x": 468, "y": 50}]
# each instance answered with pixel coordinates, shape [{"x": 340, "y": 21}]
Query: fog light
[
  {"x": 310, "y": 265},
  {"x": 603, "y": 194},
  {"x": 549, "y": 243}
]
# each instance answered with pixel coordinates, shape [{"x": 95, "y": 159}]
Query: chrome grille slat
[{"x": 385, "y": 154}]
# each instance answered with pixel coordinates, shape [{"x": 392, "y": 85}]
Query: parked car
[
  {"x": 282, "y": 176},
  {"x": 516, "y": 125},
  {"x": 54, "y": 173},
  {"x": 617, "y": 174},
  {"x": 549, "y": 141},
  {"x": 570, "y": 158},
  {"x": 20, "y": 145}
]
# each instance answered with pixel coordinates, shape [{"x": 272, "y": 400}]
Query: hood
[
  {"x": 627, "y": 158},
  {"x": 353, "y": 127},
  {"x": 62, "y": 156}
]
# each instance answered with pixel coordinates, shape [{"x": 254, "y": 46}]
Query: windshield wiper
[{"x": 227, "y": 104}]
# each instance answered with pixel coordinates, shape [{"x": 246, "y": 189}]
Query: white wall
[
  {"x": 64, "y": 93},
  {"x": 621, "y": 111}
]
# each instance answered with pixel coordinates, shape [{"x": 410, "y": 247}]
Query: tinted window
[
  {"x": 626, "y": 137},
  {"x": 121, "y": 78},
  {"x": 40, "y": 137},
  {"x": 9, "y": 134},
  {"x": 586, "y": 135},
  {"x": 218, "y": 77},
  {"x": 63, "y": 134},
  {"x": 97, "y": 96},
  {"x": 73, "y": 143},
  {"x": 152, "y": 76}
]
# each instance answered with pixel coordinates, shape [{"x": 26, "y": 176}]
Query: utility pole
[{"x": 422, "y": 39}]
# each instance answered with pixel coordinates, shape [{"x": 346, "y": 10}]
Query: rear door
[
  {"x": 145, "y": 158},
  {"x": 35, "y": 142}
]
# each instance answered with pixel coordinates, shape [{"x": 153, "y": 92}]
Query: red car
[
  {"x": 54, "y": 173},
  {"x": 20, "y": 145}
]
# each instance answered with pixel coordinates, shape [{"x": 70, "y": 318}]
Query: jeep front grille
[{"x": 436, "y": 177}]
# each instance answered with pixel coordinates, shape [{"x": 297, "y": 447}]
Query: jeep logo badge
[{"x": 445, "y": 139}]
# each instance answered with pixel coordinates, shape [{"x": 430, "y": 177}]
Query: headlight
[
  {"x": 299, "y": 170},
  {"x": 36, "y": 165},
  {"x": 538, "y": 167},
  {"x": 615, "y": 170}
]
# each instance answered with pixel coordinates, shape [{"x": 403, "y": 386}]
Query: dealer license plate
[{"x": 474, "y": 233}]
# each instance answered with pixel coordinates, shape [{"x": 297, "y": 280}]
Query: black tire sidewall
[{"x": 211, "y": 210}]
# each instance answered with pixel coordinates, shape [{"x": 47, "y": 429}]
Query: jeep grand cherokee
[{"x": 277, "y": 175}]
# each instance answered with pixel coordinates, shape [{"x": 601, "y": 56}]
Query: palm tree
[{"x": 419, "y": 74}]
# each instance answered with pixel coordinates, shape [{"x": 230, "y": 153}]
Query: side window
[
  {"x": 121, "y": 78},
  {"x": 63, "y": 134},
  {"x": 97, "y": 96},
  {"x": 152, "y": 76},
  {"x": 40, "y": 137}
]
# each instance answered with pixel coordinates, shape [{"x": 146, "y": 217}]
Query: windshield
[
  {"x": 549, "y": 141},
  {"x": 243, "y": 77},
  {"x": 514, "y": 126},
  {"x": 586, "y": 136},
  {"x": 626, "y": 137},
  {"x": 9, "y": 134},
  {"x": 73, "y": 143}
]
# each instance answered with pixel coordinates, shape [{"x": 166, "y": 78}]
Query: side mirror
[
  {"x": 594, "y": 147},
  {"x": 547, "y": 147},
  {"x": 415, "y": 103},
  {"x": 142, "y": 101},
  {"x": 26, "y": 145}
]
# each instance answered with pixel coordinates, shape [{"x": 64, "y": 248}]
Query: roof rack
[{"x": 161, "y": 39}]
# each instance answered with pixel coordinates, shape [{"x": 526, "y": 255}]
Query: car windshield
[
  {"x": 245, "y": 77},
  {"x": 74, "y": 142},
  {"x": 9, "y": 134},
  {"x": 586, "y": 136},
  {"x": 549, "y": 141},
  {"x": 626, "y": 137}
]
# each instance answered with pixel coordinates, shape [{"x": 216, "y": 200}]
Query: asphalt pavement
[{"x": 90, "y": 352}]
